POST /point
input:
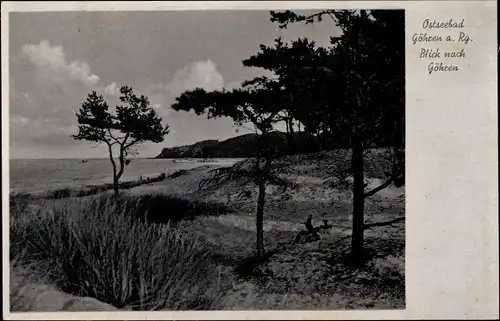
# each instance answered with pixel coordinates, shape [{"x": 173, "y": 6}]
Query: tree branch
[
  {"x": 123, "y": 151},
  {"x": 131, "y": 143},
  {"x": 250, "y": 115},
  {"x": 249, "y": 129},
  {"x": 320, "y": 14},
  {"x": 331, "y": 16},
  {"x": 380, "y": 187},
  {"x": 125, "y": 138},
  {"x": 399, "y": 219},
  {"x": 116, "y": 141},
  {"x": 111, "y": 158}
]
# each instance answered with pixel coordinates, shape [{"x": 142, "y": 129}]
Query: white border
[{"x": 442, "y": 229}]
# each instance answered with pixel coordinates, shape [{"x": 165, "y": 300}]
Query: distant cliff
[
  {"x": 236, "y": 147},
  {"x": 187, "y": 151},
  {"x": 245, "y": 146}
]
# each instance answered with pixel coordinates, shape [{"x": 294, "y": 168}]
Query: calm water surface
[{"x": 31, "y": 175}]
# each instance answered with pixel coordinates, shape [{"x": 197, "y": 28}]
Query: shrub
[
  {"x": 178, "y": 173},
  {"x": 160, "y": 208},
  {"x": 94, "y": 248}
]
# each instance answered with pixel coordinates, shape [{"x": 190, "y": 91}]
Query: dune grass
[
  {"x": 94, "y": 247},
  {"x": 161, "y": 208}
]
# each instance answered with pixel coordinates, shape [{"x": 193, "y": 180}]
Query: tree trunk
[
  {"x": 260, "y": 217},
  {"x": 319, "y": 138},
  {"x": 117, "y": 176},
  {"x": 324, "y": 138},
  {"x": 121, "y": 159},
  {"x": 261, "y": 180},
  {"x": 115, "y": 185},
  {"x": 115, "y": 179},
  {"x": 357, "y": 255},
  {"x": 357, "y": 240},
  {"x": 291, "y": 134}
]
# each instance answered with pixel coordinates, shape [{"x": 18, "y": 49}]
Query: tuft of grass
[
  {"x": 95, "y": 248},
  {"x": 21, "y": 202}
]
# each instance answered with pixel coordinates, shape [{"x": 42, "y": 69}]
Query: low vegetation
[
  {"x": 91, "y": 189},
  {"x": 95, "y": 248}
]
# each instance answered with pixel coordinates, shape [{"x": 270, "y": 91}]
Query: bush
[
  {"x": 178, "y": 173},
  {"x": 160, "y": 208},
  {"x": 94, "y": 248}
]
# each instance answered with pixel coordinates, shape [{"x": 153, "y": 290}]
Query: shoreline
[
  {"x": 70, "y": 189},
  {"x": 94, "y": 189}
]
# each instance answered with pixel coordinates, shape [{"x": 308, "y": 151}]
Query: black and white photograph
[{"x": 207, "y": 160}]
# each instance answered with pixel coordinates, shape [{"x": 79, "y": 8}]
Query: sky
[{"x": 58, "y": 58}]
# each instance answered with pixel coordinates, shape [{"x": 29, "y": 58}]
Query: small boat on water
[
  {"x": 196, "y": 160},
  {"x": 84, "y": 161}
]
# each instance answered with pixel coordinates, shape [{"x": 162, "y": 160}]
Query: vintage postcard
[{"x": 250, "y": 160}]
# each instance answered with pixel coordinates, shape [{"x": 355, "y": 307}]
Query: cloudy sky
[{"x": 56, "y": 59}]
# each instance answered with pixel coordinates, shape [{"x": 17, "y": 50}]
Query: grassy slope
[
  {"x": 303, "y": 270},
  {"x": 310, "y": 275},
  {"x": 94, "y": 247}
]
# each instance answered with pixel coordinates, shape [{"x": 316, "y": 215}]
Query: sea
[{"x": 38, "y": 175}]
